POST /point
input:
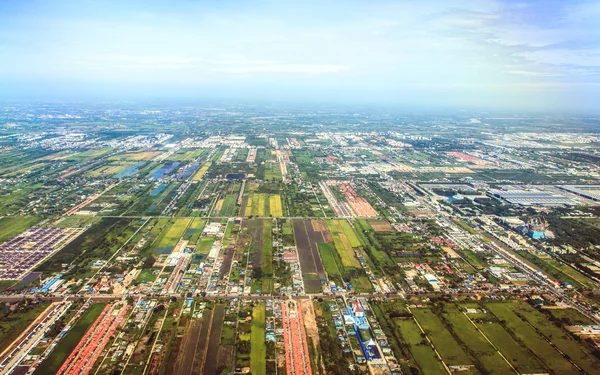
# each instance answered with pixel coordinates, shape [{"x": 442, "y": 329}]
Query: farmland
[
  {"x": 307, "y": 239},
  {"x": 201, "y": 172},
  {"x": 257, "y": 339}
]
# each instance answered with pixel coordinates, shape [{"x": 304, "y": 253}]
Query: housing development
[{"x": 235, "y": 239}]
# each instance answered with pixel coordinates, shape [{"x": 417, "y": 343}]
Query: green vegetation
[
  {"x": 11, "y": 226},
  {"x": 13, "y": 323}
]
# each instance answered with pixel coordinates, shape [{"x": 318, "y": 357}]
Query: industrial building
[{"x": 531, "y": 197}]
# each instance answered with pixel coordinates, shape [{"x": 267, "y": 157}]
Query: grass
[
  {"x": 204, "y": 244},
  {"x": 446, "y": 344},
  {"x": 228, "y": 207},
  {"x": 258, "y": 346},
  {"x": 272, "y": 172},
  {"x": 519, "y": 356},
  {"x": 477, "y": 345},
  {"x": 349, "y": 232},
  {"x": 570, "y": 316},
  {"x": 422, "y": 353},
  {"x": 330, "y": 261},
  {"x": 528, "y": 336},
  {"x": 559, "y": 337},
  {"x": 11, "y": 226},
  {"x": 60, "y": 353},
  {"x": 146, "y": 275}
]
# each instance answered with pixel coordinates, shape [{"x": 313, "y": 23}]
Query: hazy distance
[{"x": 525, "y": 55}]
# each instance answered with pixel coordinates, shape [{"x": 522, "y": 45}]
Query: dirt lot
[
  {"x": 381, "y": 226},
  {"x": 210, "y": 367},
  {"x": 254, "y": 228}
]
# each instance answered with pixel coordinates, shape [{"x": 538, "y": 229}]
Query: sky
[{"x": 517, "y": 55}]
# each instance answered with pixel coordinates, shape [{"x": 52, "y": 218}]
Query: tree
[{"x": 257, "y": 273}]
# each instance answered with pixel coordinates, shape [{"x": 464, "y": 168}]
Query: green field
[
  {"x": 342, "y": 243},
  {"x": 60, "y": 353},
  {"x": 11, "y": 226},
  {"x": 272, "y": 172},
  {"x": 204, "y": 244},
  {"x": 349, "y": 232},
  {"x": 257, "y": 338},
  {"x": 570, "y": 316},
  {"x": 331, "y": 262},
  {"x": 146, "y": 275},
  {"x": 228, "y": 202}
]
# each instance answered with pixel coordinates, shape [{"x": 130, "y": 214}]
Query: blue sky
[{"x": 539, "y": 55}]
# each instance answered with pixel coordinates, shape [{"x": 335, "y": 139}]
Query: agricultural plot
[
  {"x": 227, "y": 205},
  {"x": 447, "y": 346},
  {"x": 257, "y": 205},
  {"x": 185, "y": 154},
  {"x": 307, "y": 239},
  {"x": 170, "y": 237},
  {"x": 258, "y": 348},
  {"x": 152, "y": 200},
  {"x": 420, "y": 350},
  {"x": 518, "y": 328},
  {"x": 194, "y": 230},
  {"x": 275, "y": 205},
  {"x": 519, "y": 356},
  {"x": 482, "y": 351},
  {"x": 331, "y": 262},
  {"x": 343, "y": 244},
  {"x": 559, "y": 337},
  {"x": 137, "y": 156},
  {"x": 163, "y": 170},
  {"x": 112, "y": 169},
  {"x": 202, "y": 171},
  {"x": 212, "y": 351},
  {"x": 270, "y": 172},
  {"x": 88, "y": 155},
  {"x": 192, "y": 350}
]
